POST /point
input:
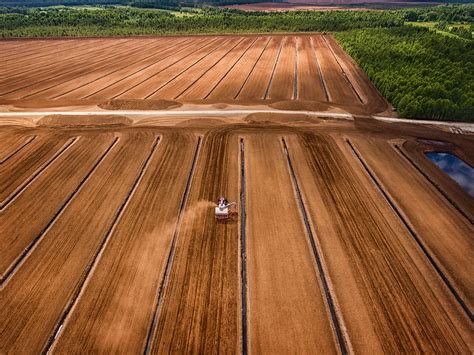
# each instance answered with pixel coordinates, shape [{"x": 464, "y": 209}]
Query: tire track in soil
[{"x": 243, "y": 249}]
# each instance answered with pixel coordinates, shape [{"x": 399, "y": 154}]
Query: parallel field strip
[
  {"x": 399, "y": 149},
  {"x": 112, "y": 70},
  {"x": 62, "y": 250},
  {"x": 90, "y": 71},
  {"x": 101, "y": 247},
  {"x": 15, "y": 150},
  {"x": 412, "y": 232},
  {"x": 40, "y": 81},
  {"x": 4, "y": 204},
  {"x": 27, "y": 71},
  {"x": 28, "y": 249}
]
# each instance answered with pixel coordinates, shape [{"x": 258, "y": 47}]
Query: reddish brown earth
[
  {"x": 144, "y": 72},
  {"x": 345, "y": 238},
  {"x": 98, "y": 254}
]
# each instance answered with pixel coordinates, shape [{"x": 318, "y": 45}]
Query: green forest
[
  {"x": 64, "y": 21},
  {"x": 423, "y": 74}
]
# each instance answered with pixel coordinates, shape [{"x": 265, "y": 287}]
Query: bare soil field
[
  {"x": 327, "y": 5},
  {"x": 339, "y": 243},
  {"x": 345, "y": 238},
  {"x": 247, "y": 70}
]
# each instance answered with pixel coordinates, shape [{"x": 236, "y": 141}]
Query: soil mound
[
  {"x": 279, "y": 118},
  {"x": 84, "y": 121},
  {"x": 139, "y": 105}
]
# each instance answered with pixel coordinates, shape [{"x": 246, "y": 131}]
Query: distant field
[{"x": 324, "y": 5}]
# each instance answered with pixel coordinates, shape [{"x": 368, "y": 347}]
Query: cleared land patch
[
  {"x": 203, "y": 69},
  {"x": 126, "y": 253}
]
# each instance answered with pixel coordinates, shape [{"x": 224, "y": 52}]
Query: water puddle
[{"x": 456, "y": 168}]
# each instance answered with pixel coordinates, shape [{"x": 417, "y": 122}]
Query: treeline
[
  {"x": 123, "y": 21},
  {"x": 422, "y": 73},
  {"x": 450, "y": 13},
  {"x": 140, "y": 3}
]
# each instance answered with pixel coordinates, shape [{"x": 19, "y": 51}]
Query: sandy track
[
  {"x": 118, "y": 318},
  {"x": 282, "y": 276},
  {"x": 447, "y": 235}
]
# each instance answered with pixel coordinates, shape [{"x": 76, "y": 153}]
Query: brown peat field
[{"x": 346, "y": 238}]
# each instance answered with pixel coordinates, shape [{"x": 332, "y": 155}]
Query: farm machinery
[{"x": 222, "y": 210}]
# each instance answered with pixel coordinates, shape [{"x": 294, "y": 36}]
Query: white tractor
[{"x": 222, "y": 209}]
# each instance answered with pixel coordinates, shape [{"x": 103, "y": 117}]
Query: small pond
[{"x": 456, "y": 168}]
